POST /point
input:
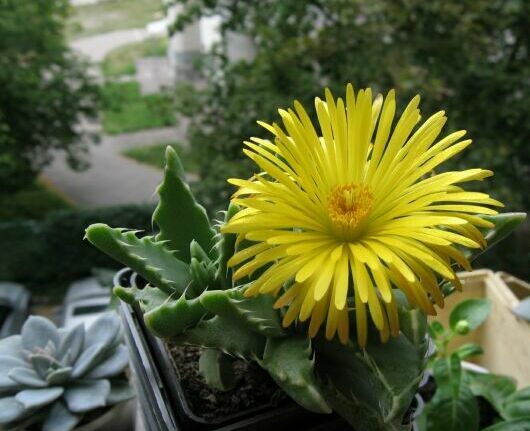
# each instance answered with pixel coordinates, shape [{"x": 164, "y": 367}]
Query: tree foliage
[
  {"x": 46, "y": 91},
  {"x": 469, "y": 57}
]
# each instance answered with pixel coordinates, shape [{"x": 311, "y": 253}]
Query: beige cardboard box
[{"x": 504, "y": 337}]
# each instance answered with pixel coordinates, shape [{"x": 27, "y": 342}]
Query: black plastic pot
[{"x": 163, "y": 400}]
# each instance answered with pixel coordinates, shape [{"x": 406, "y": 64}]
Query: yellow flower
[{"x": 354, "y": 210}]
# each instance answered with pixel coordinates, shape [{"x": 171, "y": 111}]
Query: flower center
[{"x": 348, "y": 206}]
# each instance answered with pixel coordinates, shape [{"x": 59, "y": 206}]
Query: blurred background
[{"x": 93, "y": 91}]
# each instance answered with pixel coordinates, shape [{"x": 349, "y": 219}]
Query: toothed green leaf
[
  {"x": 504, "y": 223},
  {"x": 179, "y": 217},
  {"x": 203, "y": 277},
  {"x": 197, "y": 252},
  {"x": 174, "y": 316},
  {"x": 290, "y": 363},
  {"x": 147, "y": 298},
  {"x": 225, "y": 248},
  {"x": 217, "y": 369},
  {"x": 225, "y": 335},
  {"x": 372, "y": 388},
  {"x": 412, "y": 322},
  {"x": 255, "y": 313},
  {"x": 148, "y": 257}
]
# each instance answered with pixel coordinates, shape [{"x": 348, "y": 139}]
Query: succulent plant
[
  {"x": 52, "y": 377},
  {"x": 191, "y": 298}
]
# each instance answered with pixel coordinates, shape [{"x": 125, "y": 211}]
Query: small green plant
[
  {"x": 191, "y": 298},
  {"x": 53, "y": 377},
  {"x": 454, "y": 405}
]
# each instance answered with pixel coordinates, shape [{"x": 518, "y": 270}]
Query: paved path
[
  {"x": 95, "y": 48},
  {"x": 112, "y": 179}
]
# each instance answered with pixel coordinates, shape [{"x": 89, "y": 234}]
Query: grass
[
  {"x": 126, "y": 110},
  {"x": 110, "y": 15},
  {"x": 154, "y": 155},
  {"x": 31, "y": 203},
  {"x": 121, "y": 61}
]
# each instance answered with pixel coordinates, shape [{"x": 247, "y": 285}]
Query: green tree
[
  {"x": 45, "y": 92},
  {"x": 469, "y": 57}
]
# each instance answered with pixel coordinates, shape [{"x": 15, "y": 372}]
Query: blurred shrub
[
  {"x": 33, "y": 202},
  {"x": 469, "y": 57},
  {"x": 52, "y": 252},
  {"x": 45, "y": 92}
]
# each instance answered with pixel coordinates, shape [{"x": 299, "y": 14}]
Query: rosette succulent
[
  {"x": 50, "y": 378},
  {"x": 339, "y": 224}
]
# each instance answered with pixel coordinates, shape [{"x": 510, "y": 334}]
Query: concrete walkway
[
  {"x": 112, "y": 179},
  {"x": 95, "y": 48}
]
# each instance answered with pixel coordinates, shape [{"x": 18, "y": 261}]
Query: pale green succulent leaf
[
  {"x": 12, "y": 346},
  {"x": 178, "y": 215},
  {"x": 72, "y": 343},
  {"x": 88, "y": 360},
  {"x": 41, "y": 363},
  {"x": 37, "y": 332},
  {"x": 35, "y": 398},
  {"x": 120, "y": 391},
  {"x": 26, "y": 376},
  {"x": 60, "y": 376},
  {"x": 103, "y": 331},
  {"x": 112, "y": 365},
  {"x": 60, "y": 419},
  {"x": 7, "y": 363},
  {"x": 84, "y": 396},
  {"x": 10, "y": 410},
  {"x": 290, "y": 363}
]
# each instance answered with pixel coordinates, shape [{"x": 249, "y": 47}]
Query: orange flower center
[{"x": 348, "y": 206}]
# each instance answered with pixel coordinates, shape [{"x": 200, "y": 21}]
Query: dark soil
[
  {"x": 487, "y": 414},
  {"x": 254, "y": 389}
]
